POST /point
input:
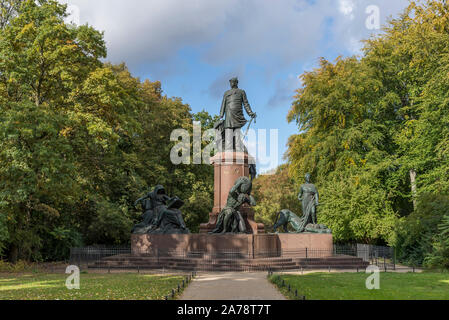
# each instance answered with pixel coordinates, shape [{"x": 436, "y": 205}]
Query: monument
[
  {"x": 231, "y": 227},
  {"x": 309, "y": 197},
  {"x": 232, "y": 161},
  {"x": 161, "y": 214}
]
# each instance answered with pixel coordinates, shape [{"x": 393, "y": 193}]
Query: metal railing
[{"x": 350, "y": 257}]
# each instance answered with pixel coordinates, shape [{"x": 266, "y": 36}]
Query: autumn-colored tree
[
  {"x": 373, "y": 129},
  {"x": 81, "y": 140},
  {"x": 273, "y": 194}
]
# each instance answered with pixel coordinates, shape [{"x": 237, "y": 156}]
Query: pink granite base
[{"x": 248, "y": 245}]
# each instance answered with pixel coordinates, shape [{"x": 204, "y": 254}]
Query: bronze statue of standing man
[
  {"x": 232, "y": 110},
  {"x": 310, "y": 201}
]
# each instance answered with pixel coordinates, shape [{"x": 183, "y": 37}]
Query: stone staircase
[{"x": 227, "y": 264}]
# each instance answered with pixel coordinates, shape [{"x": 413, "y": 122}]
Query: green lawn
[
  {"x": 92, "y": 287},
  {"x": 351, "y": 286}
]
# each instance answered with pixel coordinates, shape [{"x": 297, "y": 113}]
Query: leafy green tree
[
  {"x": 274, "y": 193},
  {"x": 81, "y": 139},
  {"x": 440, "y": 254},
  {"x": 417, "y": 233},
  {"x": 378, "y": 123},
  {"x": 8, "y": 10},
  {"x": 345, "y": 143},
  {"x": 43, "y": 58}
]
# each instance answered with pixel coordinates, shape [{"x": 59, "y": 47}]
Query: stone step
[{"x": 210, "y": 264}]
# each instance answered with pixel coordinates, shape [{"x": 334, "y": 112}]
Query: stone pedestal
[
  {"x": 246, "y": 245},
  {"x": 228, "y": 167}
]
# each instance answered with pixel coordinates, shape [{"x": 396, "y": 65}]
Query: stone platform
[
  {"x": 228, "y": 252},
  {"x": 227, "y": 265},
  {"x": 244, "y": 245}
]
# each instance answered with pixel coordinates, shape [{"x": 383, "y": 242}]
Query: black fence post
[
  {"x": 79, "y": 260},
  {"x": 394, "y": 258}
]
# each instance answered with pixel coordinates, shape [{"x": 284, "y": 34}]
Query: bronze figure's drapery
[
  {"x": 161, "y": 214},
  {"x": 230, "y": 219},
  {"x": 309, "y": 197},
  {"x": 234, "y": 101}
]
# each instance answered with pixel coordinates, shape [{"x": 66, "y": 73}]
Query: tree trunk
[
  {"x": 13, "y": 254},
  {"x": 413, "y": 185}
]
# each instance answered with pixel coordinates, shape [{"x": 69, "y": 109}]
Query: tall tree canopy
[
  {"x": 80, "y": 139},
  {"x": 374, "y": 129}
]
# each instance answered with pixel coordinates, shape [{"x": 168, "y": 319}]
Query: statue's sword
[{"x": 249, "y": 126}]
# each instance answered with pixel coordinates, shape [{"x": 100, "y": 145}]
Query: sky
[{"x": 195, "y": 46}]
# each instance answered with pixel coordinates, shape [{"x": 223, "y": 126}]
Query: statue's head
[
  {"x": 308, "y": 177},
  {"x": 234, "y": 83},
  {"x": 159, "y": 194}
]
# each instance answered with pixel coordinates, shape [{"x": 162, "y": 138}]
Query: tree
[
  {"x": 273, "y": 194},
  {"x": 378, "y": 122},
  {"x": 8, "y": 10}
]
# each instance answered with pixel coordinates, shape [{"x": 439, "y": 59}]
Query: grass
[
  {"x": 92, "y": 287},
  {"x": 351, "y": 286}
]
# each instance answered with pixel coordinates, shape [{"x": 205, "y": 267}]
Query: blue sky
[{"x": 195, "y": 46}]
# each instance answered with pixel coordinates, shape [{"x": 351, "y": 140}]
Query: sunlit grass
[
  {"x": 352, "y": 286},
  {"x": 92, "y": 287}
]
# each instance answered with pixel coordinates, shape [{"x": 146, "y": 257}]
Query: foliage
[
  {"x": 439, "y": 258},
  {"x": 356, "y": 211},
  {"x": 18, "y": 267},
  {"x": 273, "y": 194},
  {"x": 81, "y": 140},
  {"x": 416, "y": 234},
  {"x": 373, "y": 130},
  {"x": 57, "y": 246}
]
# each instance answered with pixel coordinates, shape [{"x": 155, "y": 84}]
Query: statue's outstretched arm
[
  {"x": 252, "y": 201},
  {"x": 247, "y": 106},
  {"x": 141, "y": 199},
  {"x": 317, "y": 197},
  {"x": 138, "y": 201}
]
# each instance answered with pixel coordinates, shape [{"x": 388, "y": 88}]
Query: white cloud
[
  {"x": 347, "y": 7},
  {"x": 269, "y": 33}
]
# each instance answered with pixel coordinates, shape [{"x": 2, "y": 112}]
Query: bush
[
  {"x": 419, "y": 232},
  {"x": 110, "y": 226},
  {"x": 439, "y": 258},
  {"x": 57, "y": 246},
  {"x": 20, "y": 266}
]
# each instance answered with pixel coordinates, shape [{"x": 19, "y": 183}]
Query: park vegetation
[
  {"x": 374, "y": 133},
  {"x": 80, "y": 139}
]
